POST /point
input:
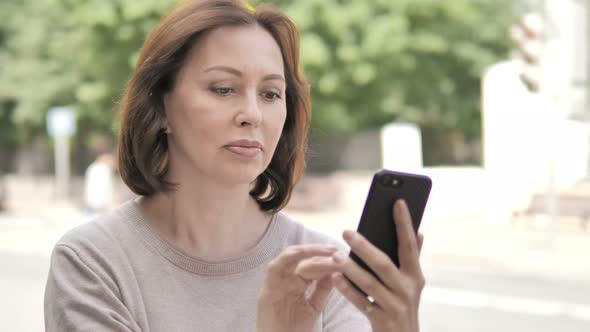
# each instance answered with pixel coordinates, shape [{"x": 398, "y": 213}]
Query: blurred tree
[
  {"x": 369, "y": 62},
  {"x": 69, "y": 52},
  {"x": 373, "y": 61}
]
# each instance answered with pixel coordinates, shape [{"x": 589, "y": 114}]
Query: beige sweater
[{"x": 116, "y": 274}]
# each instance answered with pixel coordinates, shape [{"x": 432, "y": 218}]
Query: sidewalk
[
  {"x": 35, "y": 230},
  {"x": 458, "y": 229},
  {"x": 470, "y": 243}
]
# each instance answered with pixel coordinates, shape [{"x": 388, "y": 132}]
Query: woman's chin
[{"x": 241, "y": 175}]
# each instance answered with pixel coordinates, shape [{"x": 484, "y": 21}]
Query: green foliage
[
  {"x": 369, "y": 62},
  {"x": 70, "y": 52}
]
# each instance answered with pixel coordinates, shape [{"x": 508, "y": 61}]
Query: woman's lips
[
  {"x": 244, "y": 151},
  {"x": 245, "y": 147}
]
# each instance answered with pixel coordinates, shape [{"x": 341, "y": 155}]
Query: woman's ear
[
  {"x": 165, "y": 123},
  {"x": 166, "y": 126}
]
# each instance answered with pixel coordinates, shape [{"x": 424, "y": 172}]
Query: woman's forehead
[{"x": 238, "y": 46}]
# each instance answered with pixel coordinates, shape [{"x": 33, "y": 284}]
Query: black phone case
[{"x": 377, "y": 223}]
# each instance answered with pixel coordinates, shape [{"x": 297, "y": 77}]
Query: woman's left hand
[{"x": 396, "y": 299}]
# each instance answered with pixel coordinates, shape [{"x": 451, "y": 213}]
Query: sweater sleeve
[
  {"x": 342, "y": 316},
  {"x": 80, "y": 296}
]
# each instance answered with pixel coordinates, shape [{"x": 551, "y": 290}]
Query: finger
[
  {"x": 319, "y": 297},
  {"x": 406, "y": 238},
  {"x": 364, "y": 280},
  {"x": 376, "y": 259},
  {"x": 420, "y": 240},
  {"x": 288, "y": 259},
  {"x": 355, "y": 297},
  {"x": 316, "y": 267}
]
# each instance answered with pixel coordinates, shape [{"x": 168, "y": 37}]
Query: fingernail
[
  {"x": 348, "y": 235},
  {"x": 400, "y": 205}
]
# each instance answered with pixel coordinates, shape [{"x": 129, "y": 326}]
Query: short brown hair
[{"x": 143, "y": 145}]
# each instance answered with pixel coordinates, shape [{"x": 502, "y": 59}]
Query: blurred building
[{"x": 535, "y": 106}]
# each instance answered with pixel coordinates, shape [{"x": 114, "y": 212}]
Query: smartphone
[{"x": 377, "y": 223}]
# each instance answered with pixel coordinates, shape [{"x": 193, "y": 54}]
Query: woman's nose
[{"x": 250, "y": 113}]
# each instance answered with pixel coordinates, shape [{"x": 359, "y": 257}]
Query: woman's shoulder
[
  {"x": 101, "y": 234},
  {"x": 300, "y": 233}
]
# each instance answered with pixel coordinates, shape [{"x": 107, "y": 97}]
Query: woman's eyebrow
[
  {"x": 273, "y": 77},
  {"x": 225, "y": 69},
  {"x": 238, "y": 73}
]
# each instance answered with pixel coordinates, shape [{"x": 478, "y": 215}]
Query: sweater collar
[{"x": 268, "y": 247}]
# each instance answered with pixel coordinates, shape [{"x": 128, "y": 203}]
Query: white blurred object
[
  {"x": 98, "y": 185},
  {"x": 515, "y": 140},
  {"x": 401, "y": 145},
  {"x": 571, "y": 159},
  {"x": 524, "y": 136}
]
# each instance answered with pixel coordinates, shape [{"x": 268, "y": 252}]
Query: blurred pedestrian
[
  {"x": 98, "y": 185},
  {"x": 213, "y": 134}
]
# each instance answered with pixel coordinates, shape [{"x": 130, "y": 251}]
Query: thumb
[{"x": 319, "y": 297}]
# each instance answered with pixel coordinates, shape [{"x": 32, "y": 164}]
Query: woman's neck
[{"x": 208, "y": 220}]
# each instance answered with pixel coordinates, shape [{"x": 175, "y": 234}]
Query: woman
[{"x": 213, "y": 130}]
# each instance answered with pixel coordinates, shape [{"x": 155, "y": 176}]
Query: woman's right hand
[{"x": 283, "y": 302}]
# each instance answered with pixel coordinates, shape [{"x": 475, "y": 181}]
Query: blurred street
[{"x": 481, "y": 275}]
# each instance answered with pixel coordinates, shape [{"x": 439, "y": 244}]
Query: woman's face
[{"x": 227, "y": 109}]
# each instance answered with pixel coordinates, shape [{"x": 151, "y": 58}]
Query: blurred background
[{"x": 487, "y": 97}]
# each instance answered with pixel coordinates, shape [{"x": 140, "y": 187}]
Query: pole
[
  {"x": 587, "y": 81},
  {"x": 62, "y": 166},
  {"x": 61, "y": 125},
  {"x": 550, "y": 62}
]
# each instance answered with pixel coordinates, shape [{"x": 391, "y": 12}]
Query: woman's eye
[
  {"x": 224, "y": 91},
  {"x": 269, "y": 95}
]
